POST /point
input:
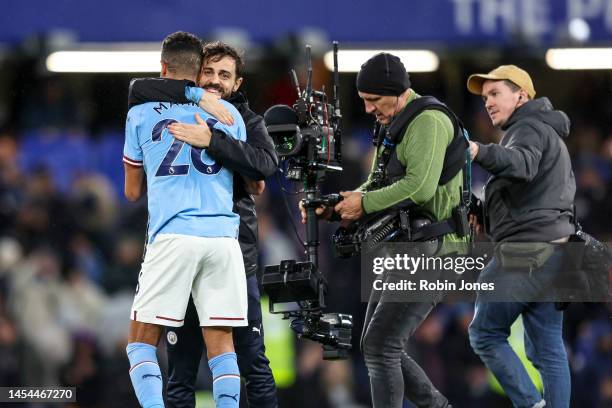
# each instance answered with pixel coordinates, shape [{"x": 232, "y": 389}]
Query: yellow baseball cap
[{"x": 510, "y": 72}]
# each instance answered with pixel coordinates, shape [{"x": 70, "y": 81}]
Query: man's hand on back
[
  {"x": 210, "y": 103},
  {"x": 196, "y": 135}
]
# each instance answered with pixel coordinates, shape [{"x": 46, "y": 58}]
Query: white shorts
[{"x": 210, "y": 269}]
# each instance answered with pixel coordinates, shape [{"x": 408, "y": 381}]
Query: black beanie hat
[{"x": 383, "y": 74}]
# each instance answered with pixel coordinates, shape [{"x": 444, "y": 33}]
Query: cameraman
[
  {"x": 384, "y": 86},
  {"x": 528, "y": 199}
]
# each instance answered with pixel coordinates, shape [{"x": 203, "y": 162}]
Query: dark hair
[
  {"x": 215, "y": 51},
  {"x": 182, "y": 52},
  {"x": 513, "y": 87}
]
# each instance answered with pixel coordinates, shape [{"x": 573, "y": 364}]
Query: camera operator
[
  {"x": 412, "y": 175},
  {"x": 528, "y": 199}
]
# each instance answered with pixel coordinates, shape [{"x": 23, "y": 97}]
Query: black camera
[
  {"x": 307, "y": 138},
  {"x": 393, "y": 224},
  {"x": 307, "y": 135},
  {"x": 297, "y": 289},
  {"x": 292, "y": 128},
  {"x": 332, "y": 330},
  {"x": 293, "y": 286},
  {"x": 372, "y": 229}
]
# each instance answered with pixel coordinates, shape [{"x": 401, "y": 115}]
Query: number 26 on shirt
[{"x": 167, "y": 168}]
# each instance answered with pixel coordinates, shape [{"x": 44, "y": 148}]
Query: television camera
[{"x": 307, "y": 138}]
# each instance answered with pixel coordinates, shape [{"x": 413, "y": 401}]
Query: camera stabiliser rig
[{"x": 307, "y": 138}]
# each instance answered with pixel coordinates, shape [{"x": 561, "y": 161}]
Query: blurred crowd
[{"x": 71, "y": 247}]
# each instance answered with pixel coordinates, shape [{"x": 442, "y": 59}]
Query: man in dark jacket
[
  {"x": 528, "y": 208},
  {"x": 256, "y": 159}
]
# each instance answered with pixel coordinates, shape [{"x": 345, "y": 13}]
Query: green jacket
[{"x": 421, "y": 151}]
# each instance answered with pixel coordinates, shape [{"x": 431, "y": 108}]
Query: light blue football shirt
[{"x": 188, "y": 192}]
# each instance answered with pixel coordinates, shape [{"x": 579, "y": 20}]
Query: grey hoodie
[{"x": 530, "y": 194}]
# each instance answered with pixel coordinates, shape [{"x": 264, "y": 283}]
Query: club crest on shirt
[{"x": 172, "y": 338}]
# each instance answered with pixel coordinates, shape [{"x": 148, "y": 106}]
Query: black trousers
[
  {"x": 394, "y": 375},
  {"x": 184, "y": 357}
]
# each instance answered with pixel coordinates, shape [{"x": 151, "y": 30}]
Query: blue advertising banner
[{"x": 451, "y": 22}]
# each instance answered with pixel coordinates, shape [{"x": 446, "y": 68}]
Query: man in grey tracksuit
[{"x": 528, "y": 200}]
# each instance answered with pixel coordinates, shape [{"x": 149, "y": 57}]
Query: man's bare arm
[{"x": 134, "y": 182}]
